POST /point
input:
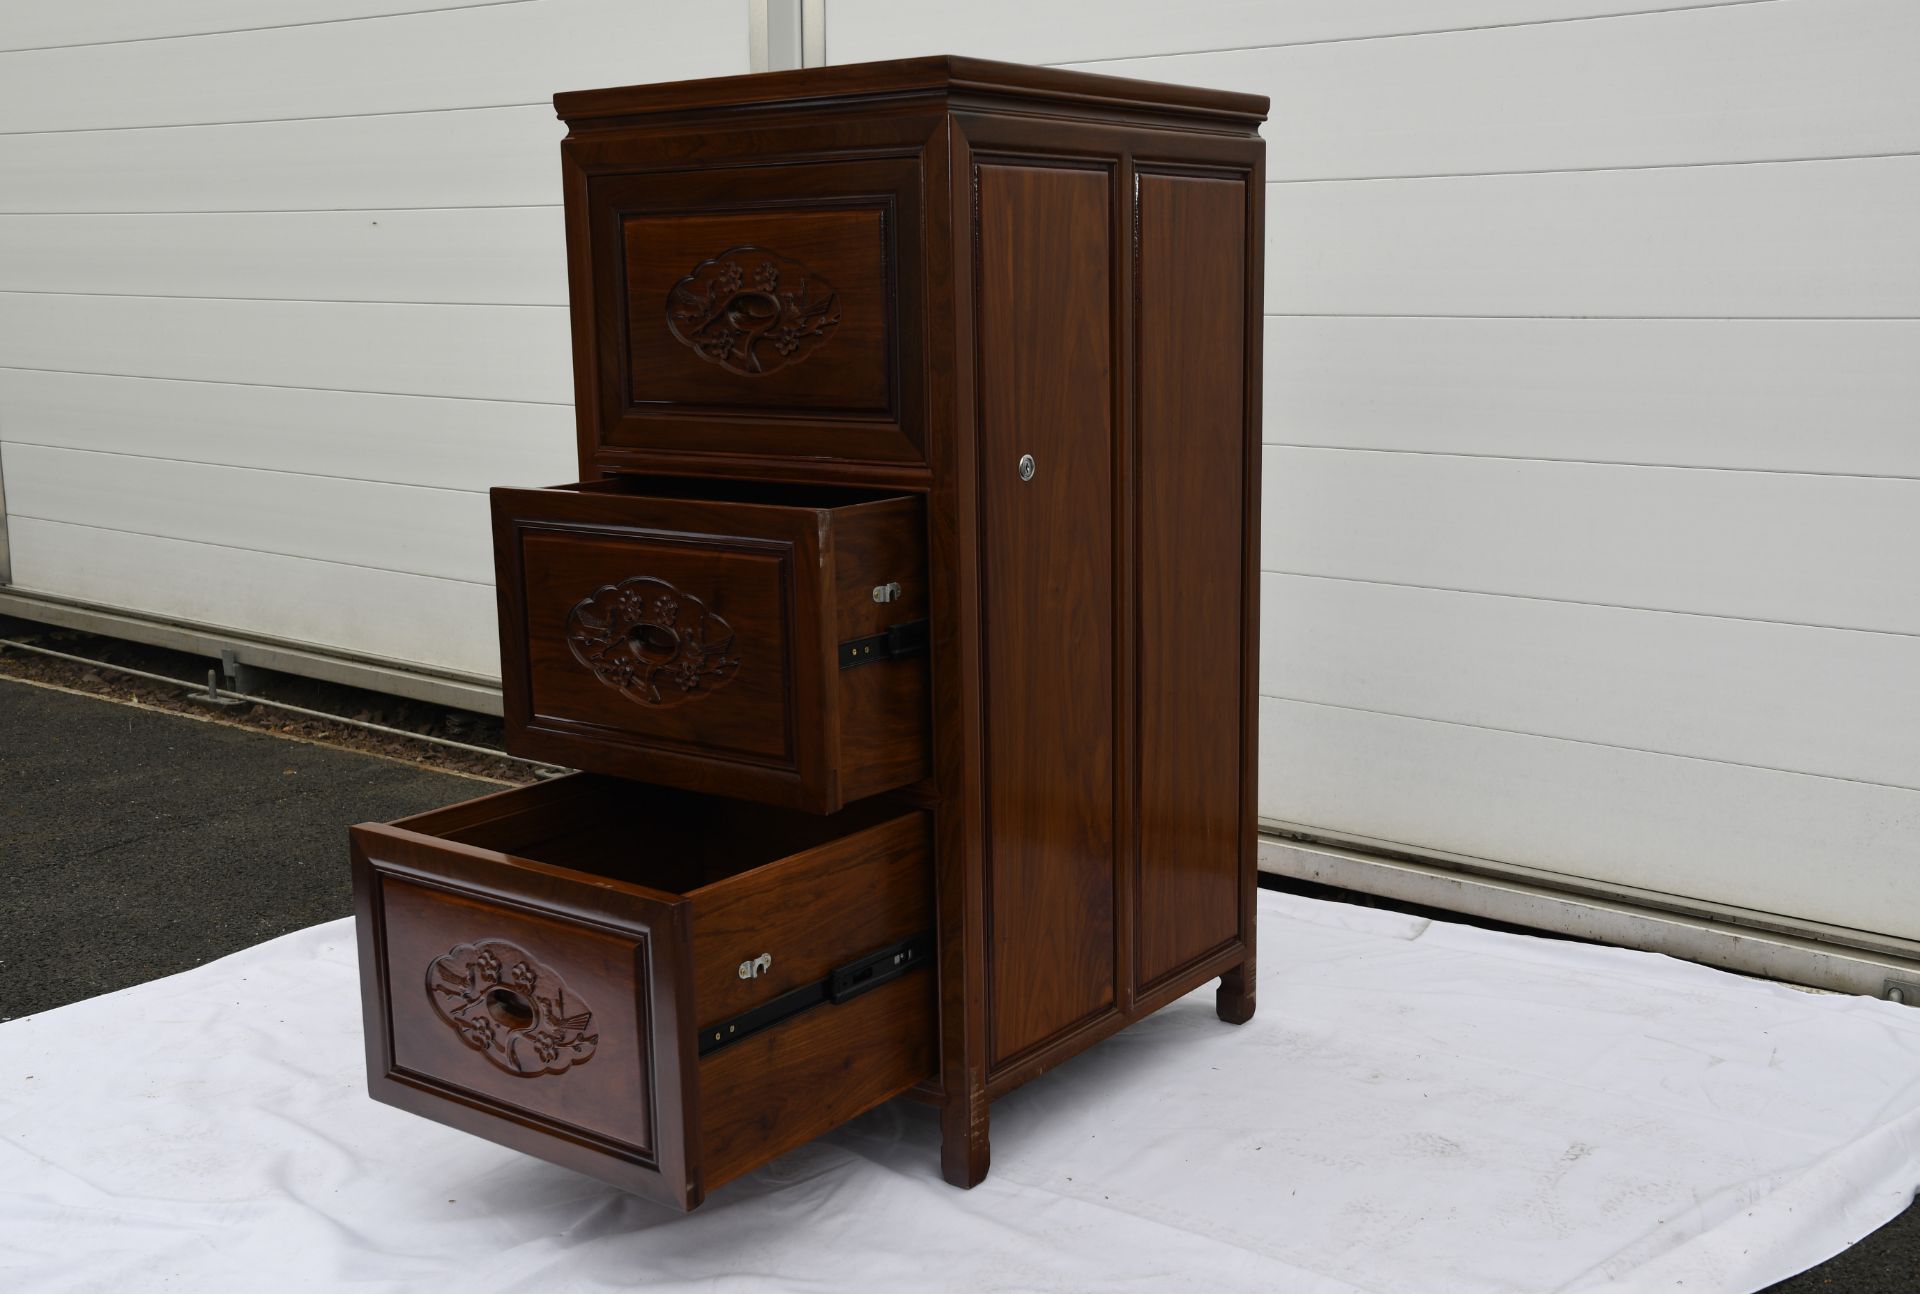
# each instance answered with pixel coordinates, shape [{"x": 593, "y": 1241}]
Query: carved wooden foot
[
  {"x": 1233, "y": 1000},
  {"x": 964, "y": 1153}
]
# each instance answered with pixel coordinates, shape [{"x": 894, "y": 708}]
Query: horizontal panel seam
[
  {"x": 290, "y": 386},
  {"x": 281, "y": 211},
  {"x": 236, "y": 548},
  {"x": 1403, "y": 35},
  {"x": 1584, "y": 887},
  {"x": 1578, "y": 602},
  {"x": 267, "y": 121},
  {"x": 240, "y": 467},
  {"x": 1808, "y": 159},
  {"x": 1603, "y": 745},
  {"x": 1594, "y": 462},
  {"x": 318, "y": 301},
  {"x": 279, "y": 26},
  {"x": 1662, "y": 318}
]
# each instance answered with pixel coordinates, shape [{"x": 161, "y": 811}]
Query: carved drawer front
[
  {"x": 760, "y": 641},
  {"x": 765, "y": 311},
  {"x": 642, "y": 984}
]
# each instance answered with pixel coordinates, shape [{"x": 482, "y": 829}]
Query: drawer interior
[{"x": 635, "y": 834}]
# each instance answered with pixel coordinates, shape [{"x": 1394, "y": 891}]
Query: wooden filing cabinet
[{"x": 903, "y": 624}]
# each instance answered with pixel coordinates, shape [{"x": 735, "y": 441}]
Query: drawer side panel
[
  {"x": 810, "y": 914},
  {"x": 779, "y": 1089}
]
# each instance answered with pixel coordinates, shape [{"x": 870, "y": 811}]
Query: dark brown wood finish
[
  {"x": 1234, "y": 1000},
  {"x": 941, "y": 77},
  {"x": 1045, "y": 375},
  {"x": 818, "y": 318},
  {"x": 620, "y": 951},
  {"x": 882, "y": 709},
  {"x": 552, "y": 997},
  {"x": 993, "y": 138},
  {"x": 689, "y": 634},
  {"x": 755, "y": 310},
  {"x": 782, "y": 1088},
  {"x": 709, "y": 301},
  {"x": 810, "y": 914},
  {"x": 1192, "y": 421}
]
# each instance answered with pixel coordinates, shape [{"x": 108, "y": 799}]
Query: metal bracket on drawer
[
  {"x": 848, "y": 982},
  {"x": 909, "y": 639}
]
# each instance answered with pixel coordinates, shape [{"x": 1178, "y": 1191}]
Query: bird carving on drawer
[
  {"x": 650, "y": 642},
  {"x": 511, "y": 1009},
  {"x": 752, "y": 311}
]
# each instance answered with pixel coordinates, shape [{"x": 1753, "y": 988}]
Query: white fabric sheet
[{"x": 1416, "y": 1108}]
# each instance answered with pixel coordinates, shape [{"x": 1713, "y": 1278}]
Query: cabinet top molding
[{"x": 949, "y": 77}]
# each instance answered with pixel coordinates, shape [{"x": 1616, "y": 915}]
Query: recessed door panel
[
  {"x": 1045, "y": 322},
  {"x": 775, "y": 310},
  {"x": 660, "y": 638},
  {"x": 1191, "y": 357},
  {"x": 753, "y": 310}
]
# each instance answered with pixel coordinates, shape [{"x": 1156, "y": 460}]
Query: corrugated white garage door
[
  {"x": 1593, "y": 363},
  {"x": 282, "y": 292}
]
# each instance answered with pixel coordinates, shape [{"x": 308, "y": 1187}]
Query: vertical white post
[
  {"x": 787, "y": 33},
  {"x": 813, "y": 33}
]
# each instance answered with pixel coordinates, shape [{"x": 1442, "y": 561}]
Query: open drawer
[
  {"x": 757, "y": 640},
  {"x": 644, "y": 985}
]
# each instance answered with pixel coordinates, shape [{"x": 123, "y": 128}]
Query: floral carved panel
[
  {"x": 652, "y": 643},
  {"x": 511, "y": 1009},
  {"x": 753, "y": 311}
]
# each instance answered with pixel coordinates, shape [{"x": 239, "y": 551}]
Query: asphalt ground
[{"x": 136, "y": 843}]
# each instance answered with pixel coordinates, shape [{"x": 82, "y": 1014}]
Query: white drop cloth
[{"x": 1416, "y": 1108}]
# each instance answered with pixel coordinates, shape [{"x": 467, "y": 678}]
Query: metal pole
[{"x": 279, "y": 705}]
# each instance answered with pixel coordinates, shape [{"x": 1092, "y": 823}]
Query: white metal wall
[
  {"x": 1592, "y": 375},
  {"x": 1592, "y": 392},
  {"x": 282, "y": 292}
]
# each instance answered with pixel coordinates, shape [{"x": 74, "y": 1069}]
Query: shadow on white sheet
[{"x": 1416, "y": 1109}]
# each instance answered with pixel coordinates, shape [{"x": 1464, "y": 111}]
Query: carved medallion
[
  {"x": 511, "y": 1009},
  {"x": 651, "y": 642},
  {"x": 752, "y": 311}
]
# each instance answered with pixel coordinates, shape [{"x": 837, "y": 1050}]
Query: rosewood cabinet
[{"x": 903, "y": 624}]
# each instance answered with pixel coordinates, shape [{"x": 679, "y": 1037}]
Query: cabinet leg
[
  {"x": 1233, "y": 1000},
  {"x": 964, "y": 1151}
]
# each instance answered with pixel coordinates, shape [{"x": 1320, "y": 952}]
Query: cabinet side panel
[
  {"x": 1045, "y": 335},
  {"x": 1191, "y": 333}
]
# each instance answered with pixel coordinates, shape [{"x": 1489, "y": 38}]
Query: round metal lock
[{"x": 1027, "y": 468}]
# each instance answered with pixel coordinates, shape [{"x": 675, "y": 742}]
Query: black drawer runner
[{"x": 849, "y": 981}]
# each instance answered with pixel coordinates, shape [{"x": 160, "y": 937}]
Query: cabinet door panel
[
  {"x": 1045, "y": 320},
  {"x": 1191, "y": 355}
]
